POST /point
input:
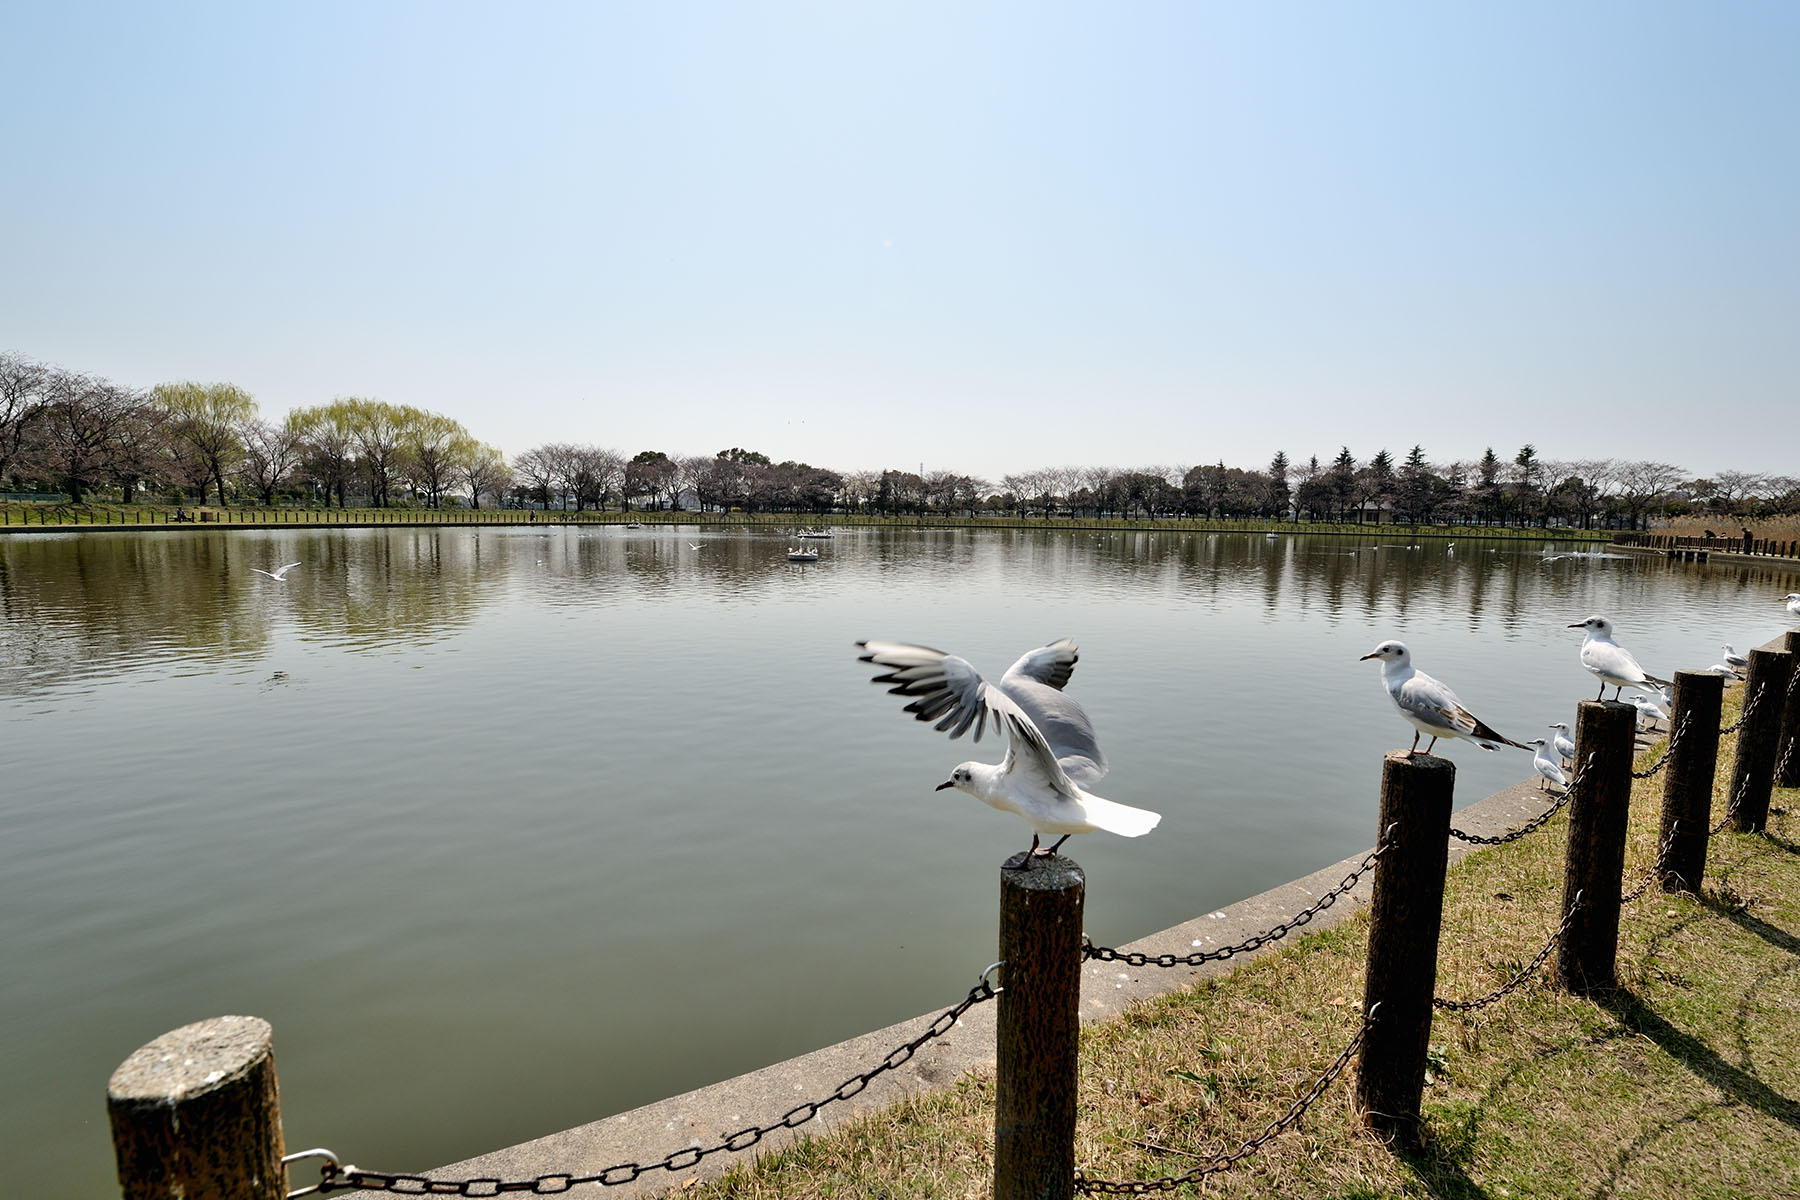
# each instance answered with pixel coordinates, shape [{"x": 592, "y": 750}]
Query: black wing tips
[{"x": 926, "y": 680}]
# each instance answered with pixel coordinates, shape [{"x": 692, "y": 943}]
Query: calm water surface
[{"x": 508, "y": 830}]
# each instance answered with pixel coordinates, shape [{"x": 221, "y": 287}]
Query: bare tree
[
  {"x": 84, "y": 423},
  {"x": 271, "y": 455},
  {"x": 537, "y": 471},
  {"x": 23, "y": 388}
]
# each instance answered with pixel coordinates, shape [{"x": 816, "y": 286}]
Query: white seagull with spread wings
[
  {"x": 278, "y": 574},
  {"x": 1051, "y": 747},
  {"x": 1428, "y": 704}
]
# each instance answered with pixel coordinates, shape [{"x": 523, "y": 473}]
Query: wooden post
[
  {"x": 1688, "y": 779},
  {"x": 1787, "y": 760},
  {"x": 1753, "y": 769},
  {"x": 1405, "y": 912},
  {"x": 1604, "y": 738},
  {"x": 1037, "y": 1030},
  {"x": 195, "y": 1115}
]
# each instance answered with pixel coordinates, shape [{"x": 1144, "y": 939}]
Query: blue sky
[{"x": 979, "y": 237}]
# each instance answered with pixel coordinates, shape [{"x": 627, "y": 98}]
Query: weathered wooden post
[
  {"x": 1753, "y": 768},
  {"x": 1787, "y": 761},
  {"x": 195, "y": 1115},
  {"x": 1688, "y": 779},
  {"x": 1406, "y": 910},
  {"x": 1588, "y": 952},
  {"x": 1038, "y": 1029}
]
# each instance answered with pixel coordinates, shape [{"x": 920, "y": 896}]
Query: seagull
[
  {"x": 1547, "y": 767},
  {"x": 1609, "y": 661},
  {"x": 1793, "y": 603},
  {"x": 1649, "y": 709},
  {"x": 1733, "y": 659},
  {"x": 1565, "y": 745},
  {"x": 1051, "y": 747},
  {"x": 279, "y": 573},
  {"x": 1431, "y": 706},
  {"x": 1722, "y": 669}
]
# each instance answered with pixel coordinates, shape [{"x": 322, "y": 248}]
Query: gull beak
[
  {"x": 948, "y": 783},
  {"x": 1369, "y": 655},
  {"x": 1579, "y": 625}
]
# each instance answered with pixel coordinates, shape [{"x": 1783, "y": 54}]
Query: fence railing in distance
[
  {"x": 1787, "y": 746},
  {"x": 195, "y": 1114},
  {"x": 1594, "y": 863},
  {"x": 1688, "y": 781},
  {"x": 1037, "y": 1034},
  {"x": 1753, "y": 768},
  {"x": 1405, "y": 914}
]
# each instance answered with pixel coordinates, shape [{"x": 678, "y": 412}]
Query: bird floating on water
[
  {"x": 1429, "y": 704},
  {"x": 1610, "y": 662},
  {"x": 1051, "y": 748},
  {"x": 279, "y": 573}
]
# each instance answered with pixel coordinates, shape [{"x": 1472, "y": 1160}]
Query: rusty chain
[
  {"x": 336, "y": 1178},
  {"x": 1687, "y": 719},
  {"x": 1657, "y": 869},
  {"x": 1224, "y": 1162},
  {"x": 1531, "y": 826},
  {"x": 1517, "y": 981},
  {"x": 1744, "y": 713},
  {"x": 1135, "y": 958}
]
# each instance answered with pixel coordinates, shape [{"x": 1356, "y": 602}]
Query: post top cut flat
[{"x": 191, "y": 1061}]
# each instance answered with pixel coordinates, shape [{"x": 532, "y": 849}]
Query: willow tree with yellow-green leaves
[{"x": 207, "y": 421}]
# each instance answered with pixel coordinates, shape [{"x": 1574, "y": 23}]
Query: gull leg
[
  {"x": 1430, "y": 744},
  {"x": 1051, "y": 850},
  {"x": 1415, "y": 745},
  {"x": 1022, "y": 857}
]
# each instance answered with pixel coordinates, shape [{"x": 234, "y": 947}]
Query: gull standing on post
[
  {"x": 1429, "y": 705},
  {"x": 1610, "y": 662},
  {"x": 1051, "y": 749}
]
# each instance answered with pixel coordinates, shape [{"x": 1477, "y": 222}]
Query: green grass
[{"x": 1682, "y": 1083}]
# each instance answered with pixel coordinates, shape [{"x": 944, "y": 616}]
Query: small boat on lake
[
  {"x": 819, "y": 535},
  {"x": 802, "y": 554}
]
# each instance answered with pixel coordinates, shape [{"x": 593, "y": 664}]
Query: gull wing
[
  {"x": 947, "y": 689},
  {"x": 1035, "y": 682},
  {"x": 1431, "y": 701},
  {"x": 1027, "y": 753},
  {"x": 1050, "y": 665}
]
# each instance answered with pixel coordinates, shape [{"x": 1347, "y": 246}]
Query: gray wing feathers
[
  {"x": 1051, "y": 665},
  {"x": 947, "y": 689}
]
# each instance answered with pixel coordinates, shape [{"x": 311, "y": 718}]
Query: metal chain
[
  {"x": 1135, "y": 958},
  {"x": 1744, "y": 715},
  {"x": 1687, "y": 719},
  {"x": 1224, "y": 1162},
  {"x": 1656, "y": 870},
  {"x": 1731, "y": 809},
  {"x": 1517, "y": 981},
  {"x": 1531, "y": 826},
  {"x": 335, "y": 1178}
]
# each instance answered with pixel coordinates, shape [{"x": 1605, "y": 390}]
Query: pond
[{"x": 506, "y": 830}]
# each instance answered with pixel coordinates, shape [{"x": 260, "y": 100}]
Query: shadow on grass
[
  {"x": 1438, "y": 1166},
  {"x": 1739, "y": 914},
  {"x": 1636, "y": 1014}
]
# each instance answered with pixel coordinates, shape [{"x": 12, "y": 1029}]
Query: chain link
[
  {"x": 1517, "y": 981},
  {"x": 1531, "y": 826},
  {"x": 1135, "y": 958},
  {"x": 334, "y": 1178},
  {"x": 1687, "y": 719},
  {"x": 1744, "y": 715},
  {"x": 1656, "y": 868},
  {"x": 1224, "y": 1162}
]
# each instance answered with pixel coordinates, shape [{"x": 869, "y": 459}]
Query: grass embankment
[
  {"x": 20, "y": 515},
  {"x": 1780, "y": 529},
  {"x": 1684, "y": 1083}
]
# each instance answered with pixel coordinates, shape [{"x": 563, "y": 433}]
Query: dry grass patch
[
  {"x": 1683, "y": 1083},
  {"x": 1781, "y": 529}
]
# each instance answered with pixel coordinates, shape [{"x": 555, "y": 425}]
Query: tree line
[{"x": 66, "y": 432}]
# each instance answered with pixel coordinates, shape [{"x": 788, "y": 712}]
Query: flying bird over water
[
  {"x": 1610, "y": 662},
  {"x": 1051, "y": 747},
  {"x": 1428, "y": 704},
  {"x": 279, "y": 573}
]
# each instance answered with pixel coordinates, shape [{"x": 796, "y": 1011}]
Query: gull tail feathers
[
  {"x": 1121, "y": 819},
  {"x": 1486, "y": 737}
]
